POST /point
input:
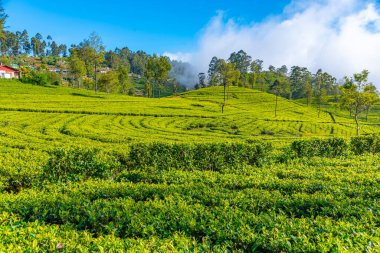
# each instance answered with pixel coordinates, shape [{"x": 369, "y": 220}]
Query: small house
[{"x": 9, "y": 72}]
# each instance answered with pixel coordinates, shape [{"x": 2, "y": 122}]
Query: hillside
[
  {"x": 34, "y": 116},
  {"x": 93, "y": 172}
]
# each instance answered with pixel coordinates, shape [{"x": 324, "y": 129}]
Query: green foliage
[
  {"x": 37, "y": 78},
  {"x": 333, "y": 147},
  {"x": 365, "y": 144},
  {"x": 308, "y": 205},
  {"x": 191, "y": 195},
  {"x": 79, "y": 164},
  {"x": 214, "y": 156}
]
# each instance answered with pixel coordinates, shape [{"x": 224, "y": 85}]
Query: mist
[{"x": 340, "y": 36}]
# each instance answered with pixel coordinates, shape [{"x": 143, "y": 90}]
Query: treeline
[
  {"x": 295, "y": 83},
  {"x": 356, "y": 94},
  {"x": 44, "y": 61},
  {"x": 88, "y": 65}
]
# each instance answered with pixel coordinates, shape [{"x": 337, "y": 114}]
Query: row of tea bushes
[
  {"x": 335, "y": 147},
  {"x": 214, "y": 156},
  {"x": 80, "y": 164}
]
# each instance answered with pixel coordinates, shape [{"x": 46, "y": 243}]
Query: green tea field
[{"x": 93, "y": 172}]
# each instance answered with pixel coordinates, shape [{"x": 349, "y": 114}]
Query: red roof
[{"x": 8, "y": 69}]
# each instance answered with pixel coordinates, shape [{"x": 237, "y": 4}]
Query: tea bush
[
  {"x": 361, "y": 145},
  {"x": 333, "y": 147},
  {"x": 212, "y": 156},
  {"x": 78, "y": 164}
]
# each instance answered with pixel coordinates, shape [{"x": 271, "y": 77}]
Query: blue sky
[{"x": 150, "y": 25}]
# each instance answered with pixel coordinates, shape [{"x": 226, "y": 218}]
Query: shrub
[
  {"x": 79, "y": 164},
  {"x": 361, "y": 145},
  {"x": 332, "y": 147},
  {"x": 37, "y": 78},
  {"x": 215, "y": 157}
]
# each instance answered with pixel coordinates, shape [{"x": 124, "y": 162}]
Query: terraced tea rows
[{"x": 36, "y": 117}]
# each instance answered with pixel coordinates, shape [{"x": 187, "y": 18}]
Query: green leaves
[
  {"x": 78, "y": 164},
  {"x": 213, "y": 156},
  {"x": 333, "y": 147}
]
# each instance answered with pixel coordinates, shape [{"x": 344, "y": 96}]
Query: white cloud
[
  {"x": 184, "y": 57},
  {"x": 340, "y": 36}
]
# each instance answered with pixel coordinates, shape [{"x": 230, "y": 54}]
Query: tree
[
  {"x": 138, "y": 61},
  {"x": 63, "y": 50},
  {"x": 54, "y": 49},
  {"x": 77, "y": 68},
  {"x": 323, "y": 82},
  {"x": 38, "y": 46},
  {"x": 358, "y": 95},
  {"x": 241, "y": 60},
  {"x": 228, "y": 75},
  {"x": 202, "y": 80},
  {"x": 175, "y": 85},
  {"x": 161, "y": 72},
  {"x": 112, "y": 59},
  {"x": 256, "y": 68},
  {"x": 24, "y": 39},
  {"x": 108, "y": 81},
  {"x": 299, "y": 77},
  {"x": 3, "y": 18},
  {"x": 149, "y": 74},
  {"x": 122, "y": 75},
  {"x": 92, "y": 53},
  {"x": 309, "y": 93},
  {"x": 279, "y": 87},
  {"x": 371, "y": 98},
  {"x": 212, "y": 71}
]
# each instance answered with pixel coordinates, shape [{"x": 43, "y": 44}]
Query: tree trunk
[
  {"x": 275, "y": 108},
  {"x": 96, "y": 81},
  {"x": 225, "y": 97},
  {"x": 357, "y": 125}
]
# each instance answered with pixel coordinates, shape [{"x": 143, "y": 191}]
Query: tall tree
[
  {"x": 122, "y": 75},
  {"x": 92, "y": 51},
  {"x": 161, "y": 72},
  {"x": 149, "y": 75},
  {"x": 358, "y": 95},
  {"x": 3, "y": 18},
  {"x": 299, "y": 77},
  {"x": 322, "y": 83},
  {"x": 256, "y": 69},
  {"x": 108, "y": 81},
  {"x": 26, "y": 46},
  {"x": 228, "y": 75},
  {"x": 63, "y": 50},
  {"x": 77, "y": 68},
  {"x": 241, "y": 60},
  {"x": 54, "y": 49},
  {"x": 202, "y": 80},
  {"x": 212, "y": 71}
]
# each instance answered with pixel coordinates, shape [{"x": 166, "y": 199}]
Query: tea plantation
[{"x": 94, "y": 172}]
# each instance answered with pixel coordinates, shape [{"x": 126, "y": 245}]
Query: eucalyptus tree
[{"x": 323, "y": 82}]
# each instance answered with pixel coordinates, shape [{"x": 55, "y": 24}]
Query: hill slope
[{"x": 34, "y": 116}]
